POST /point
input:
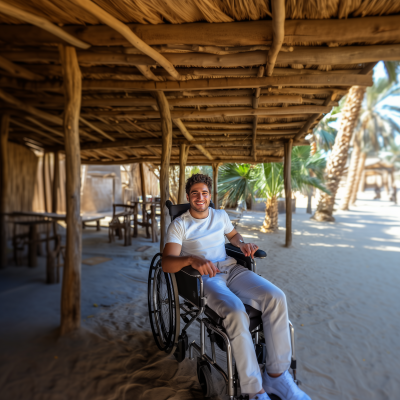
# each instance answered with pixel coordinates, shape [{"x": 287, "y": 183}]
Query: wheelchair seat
[{"x": 254, "y": 315}]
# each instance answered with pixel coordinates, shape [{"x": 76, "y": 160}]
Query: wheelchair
[{"x": 180, "y": 296}]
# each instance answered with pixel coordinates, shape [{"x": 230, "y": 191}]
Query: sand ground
[{"x": 342, "y": 285}]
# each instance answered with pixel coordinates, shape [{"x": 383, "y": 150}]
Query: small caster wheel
[{"x": 205, "y": 379}]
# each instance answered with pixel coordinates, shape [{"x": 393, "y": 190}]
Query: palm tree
[
  {"x": 376, "y": 130},
  {"x": 338, "y": 157},
  {"x": 235, "y": 183},
  {"x": 306, "y": 171}
]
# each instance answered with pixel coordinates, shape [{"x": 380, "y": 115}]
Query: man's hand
[
  {"x": 248, "y": 249},
  {"x": 205, "y": 267}
]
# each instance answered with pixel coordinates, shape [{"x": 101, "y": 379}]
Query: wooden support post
[
  {"x": 143, "y": 187},
  {"x": 288, "y": 190},
  {"x": 56, "y": 182},
  {"x": 5, "y": 123},
  {"x": 166, "y": 128},
  {"x": 183, "y": 155},
  {"x": 215, "y": 181},
  {"x": 71, "y": 287},
  {"x": 142, "y": 181},
  {"x": 45, "y": 161}
]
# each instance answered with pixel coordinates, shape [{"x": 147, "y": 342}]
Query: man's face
[{"x": 199, "y": 197}]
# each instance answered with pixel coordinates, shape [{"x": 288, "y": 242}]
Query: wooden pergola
[{"x": 109, "y": 82}]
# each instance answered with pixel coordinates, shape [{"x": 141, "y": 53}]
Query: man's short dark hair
[{"x": 198, "y": 178}]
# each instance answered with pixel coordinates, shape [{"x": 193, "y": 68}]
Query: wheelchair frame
[{"x": 193, "y": 306}]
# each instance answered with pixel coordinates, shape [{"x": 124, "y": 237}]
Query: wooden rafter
[
  {"x": 126, "y": 32},
  {"x": 18, "y": 71},
  {"x": 180, "y": 125},
  {"x": 42, "y": 23}
]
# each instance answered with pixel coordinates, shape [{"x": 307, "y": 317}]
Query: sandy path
[{"x": 341, "y": 282}]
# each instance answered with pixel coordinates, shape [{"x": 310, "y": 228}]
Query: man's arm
[
  {"x": 248, "y": 249},
  {"x": 172, "y": 261}
]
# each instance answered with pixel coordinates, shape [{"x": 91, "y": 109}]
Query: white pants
[{"x": 225, "y": 294}]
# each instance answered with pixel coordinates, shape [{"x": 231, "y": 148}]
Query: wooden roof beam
[
  {"x": 191, "y": 161},
  {"x": 128, "y": 34},
  {"x": 302, "y": 55},
  {"x": 278, "y": 112},
  {"x": 278, "y": 24},
  {"x": 42, "y": 23},
  {"x": 226, "y": 83},
  {"x": 375, "y": 29}
]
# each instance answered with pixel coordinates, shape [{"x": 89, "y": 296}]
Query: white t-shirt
[{"x": 201, "y": 237}]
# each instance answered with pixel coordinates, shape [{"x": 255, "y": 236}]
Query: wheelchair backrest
[{"x": 175, "y": 210}]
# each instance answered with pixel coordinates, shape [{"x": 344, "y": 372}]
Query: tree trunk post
[
  {"x": 288, "y": 190},
  {"x": 215, "y": 168},
  {"x": 166, "y": 128},
  {"x": 183, "y": 155},
  {"x": 56, "y": 182},
  {"x": 71, "y": 286},
  {"x": 4, "y": 129}
]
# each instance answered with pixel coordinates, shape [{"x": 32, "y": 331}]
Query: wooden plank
[
  {"x": 288, "y": 190},
  {"x": 4, "y": 130},
  {"x": 42, "y": 23},
  {"x": 375, "y": 29},
  {"x": 166, "y": 128},
  {"x": 71, "y": 285},
  {"x": 278, "y": 26},
  {"x": 183, "y": 155},
  {"x": 18, "y": 71}
]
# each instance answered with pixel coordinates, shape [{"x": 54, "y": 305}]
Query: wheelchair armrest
[
  {"x": 189, "y": 270},
  {"x": 258, "y": 254}
]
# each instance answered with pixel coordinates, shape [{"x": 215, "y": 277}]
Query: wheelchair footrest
[{"x": 183, "y": 345}]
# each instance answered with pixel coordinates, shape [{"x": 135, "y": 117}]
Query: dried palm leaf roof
[{"x": 218, "y": 48}]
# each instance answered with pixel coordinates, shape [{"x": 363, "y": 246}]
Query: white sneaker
[
  {"x": 262, "y": 396},
  {"x": 284, "y": 387}
]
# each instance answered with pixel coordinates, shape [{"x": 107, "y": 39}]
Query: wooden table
[
  {"x": 62, "y": 217},
  {"x": 145, "y": 222}
]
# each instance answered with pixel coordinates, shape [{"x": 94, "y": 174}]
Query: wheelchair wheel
[{"x": 163, "y": 303}]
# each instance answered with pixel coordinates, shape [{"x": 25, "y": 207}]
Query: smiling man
[{"x": 197, "y": 238}]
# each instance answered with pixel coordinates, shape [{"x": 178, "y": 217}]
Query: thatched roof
[{"x": 218, "y": 49}]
